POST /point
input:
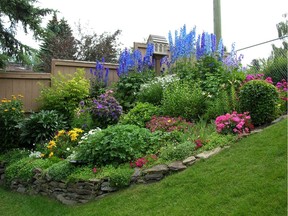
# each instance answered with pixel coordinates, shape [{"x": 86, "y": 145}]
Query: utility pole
[{"x": 217, "y": 19}]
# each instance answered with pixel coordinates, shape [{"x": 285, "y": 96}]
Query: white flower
[{"x": 35, "y": 154}]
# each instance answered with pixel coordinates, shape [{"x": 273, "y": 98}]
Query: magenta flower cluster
[
  {"x": 250, "y": 77},
  {"x": 236, "y": 123},
  {"x": 282, "y": 86}
]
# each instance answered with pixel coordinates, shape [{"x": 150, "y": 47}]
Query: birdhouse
[
  {"x": 160, "y": 44},
  {"x": 161, "y": 49}
]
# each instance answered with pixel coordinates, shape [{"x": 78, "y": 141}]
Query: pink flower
[
  {"x": 94, "y": 170},
  {"x": 269, "y": 80},
  {"x": 240, "y": 125},
  {"x": 235, "y": 130},
  {"x": 236, "y": 119},
  {"x": 233, "y": 123},
  {"x": 246, "y": 130}
]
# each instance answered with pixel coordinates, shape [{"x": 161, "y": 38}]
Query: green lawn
[{"x": 250, "y": 178}]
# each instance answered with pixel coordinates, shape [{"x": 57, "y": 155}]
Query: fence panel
[
  {"x": 70, "y": 66},
  {"x": 23, "y": 83}
]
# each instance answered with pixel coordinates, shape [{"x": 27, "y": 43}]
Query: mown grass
[{"x": 250, "y": 178}]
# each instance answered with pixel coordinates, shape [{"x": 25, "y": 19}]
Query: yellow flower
[
  {"x": 20, "y": 96},
  {"x": 4, "y": 100},
  {"x": 73, "y": 136},
  {"x": 42, "y": 155},
  {"x": 51, "y": 144},
  {"x": 51, "y": 154},
  {"x": 13, "y": 97},
  {"x": 169, "y": 120},
  {"x": 78, "y": 130},
  {"x": 22, "y": 111},
  {"x": 13, "y": 108},
  {"x": 6, "y": 110},
  {"x": 60, "y": 133},
  {"x": 9, "y": 101}
]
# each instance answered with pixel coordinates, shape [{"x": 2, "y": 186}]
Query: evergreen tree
[
  {"x": 30, "y": 17},
  {"x": 58, "y": 43}
]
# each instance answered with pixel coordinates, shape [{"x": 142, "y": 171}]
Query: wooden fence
[
  {"x": 27, "y": 83},
  {"x": 69, "y": 67},
  {"x": 23, "y": 83}
]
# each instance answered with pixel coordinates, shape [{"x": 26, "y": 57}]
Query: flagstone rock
[
  {"x": 162, "y": 168},
  {"x": 189, "y": 161},
  {"x": 177, "y": 166},
  {"x": 207, "y": 154}
]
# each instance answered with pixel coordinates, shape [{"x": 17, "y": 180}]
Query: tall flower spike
[{"x": 220, "y": 50}]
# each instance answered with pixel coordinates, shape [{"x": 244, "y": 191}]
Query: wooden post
[{"x": 217, "y": 19}]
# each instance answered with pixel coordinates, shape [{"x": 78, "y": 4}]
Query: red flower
[
  {"x": 198, "y": 143},
  {"x": 94, "y": 170}
]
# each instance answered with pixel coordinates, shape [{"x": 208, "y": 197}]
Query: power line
[{"x": 263, "y": 43}]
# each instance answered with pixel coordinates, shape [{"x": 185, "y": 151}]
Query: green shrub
[
  {"x": 152, "y": 91},
  {"x": 11, "y": 114},
  {"x": 183, "y": 99},
  {"x": 115, "y": 145},
  {"x": 60, "y": 171},
  {"x": 14, "y": 155},
  {"x": 152, "y": 94},
  {"x": 260, "y": 99},
  {"x": 40, "y": 127},
  {"x": 128, "y": 86},
  {"x": 224, "y": 102},
  {"x": 23, "y": 169},
  {"x": 177, "y": 152},
  {"x": 140, "y": 114},
  {"x": 65, "y": 93}
]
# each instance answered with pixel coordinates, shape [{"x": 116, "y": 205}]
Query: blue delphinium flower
[
  {"x": 232, "y": 61},
  {"x": 207, "y": 44},
  {"x": 220, "y": 50},
  {"x": 125, "y": 62},
  {"x": 183, "y": 45},
  {"x": 213, "y": 43},
  {"x": 98, "y": 72},
  {"x": 106, "y": 76},
  {"x": 147, "y": 61},
  {"x": 199, "y": 49}
]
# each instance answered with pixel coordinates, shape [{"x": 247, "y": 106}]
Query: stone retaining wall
[{"x": 84, "y": 191}]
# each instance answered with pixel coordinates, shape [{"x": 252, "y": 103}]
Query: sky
[{"x": 245, "y": 22}]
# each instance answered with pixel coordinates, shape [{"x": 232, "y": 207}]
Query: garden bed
[{"x": 84, "y": 191}]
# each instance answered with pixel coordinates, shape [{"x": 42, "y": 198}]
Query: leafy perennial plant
[
  {"x": 63, "y": 144},
  {"x": 11, "y": 113}
]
